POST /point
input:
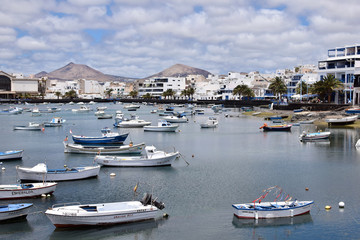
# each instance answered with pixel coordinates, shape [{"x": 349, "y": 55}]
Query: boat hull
[
  {"x": 243, "y": 212},
  {"x": 341, "y": 121},
  {"x": 161, "y": 129},
  {"x": 277, "y": 129},
  {"x": 315, "y": 136},
  {"x": 100, "y": 140},
  {"x": 60, "y": 175},
  {"x": 136, "y": 161},
  {"x": 15, "y": 154},
  {"x": 172, "y": 119},
  {"x": 27, "y": 128},
  {"x": 14, "y": 211},
  {"x": 36, "y": 191},
  {"x": 73, "y": 217},
  {"x": 123, "y": 149}
]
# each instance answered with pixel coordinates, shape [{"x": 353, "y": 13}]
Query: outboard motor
[
  {"x": 146, "y": 200},
  {"x": 159, "y": 205}
]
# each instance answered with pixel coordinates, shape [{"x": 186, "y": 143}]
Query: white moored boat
[
  {"x": 88, "y": 149},
  {"x": 40, "y": 172},
  {"x": 11, "y": 154},
  {"x": 163, "y": 126},
  {"x": 212, "y": 122},
  {"x": 14, "y": 211},
  {"x": 76, "y": 214},
  {"x": 30, "y": 127},
  {"x": 28, "y": 190},
  {"x": 314, "y": 136},
  {"x": 55, "y": 122},
  {"x": 152, "y": 158},
  {"x": 341, "y": 121},
  {"x": 276, "y": 209},
  {"x": 176, "y": 119},
  {"x": 134, "y": 122}
]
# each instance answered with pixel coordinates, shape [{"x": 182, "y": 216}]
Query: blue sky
[{"x": 139, "y": 38}]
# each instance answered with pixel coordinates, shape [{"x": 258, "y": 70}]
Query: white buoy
[
  {"x": 48, "y": 195},
  {"x": 3, "y": 168},
  {"x": 341, "y": 204},
  {"x": 43, "y": 195},
  {"x": 112, "y": 174}
]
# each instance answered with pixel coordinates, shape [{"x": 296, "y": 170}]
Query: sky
[{"x": 137, "y": 38}]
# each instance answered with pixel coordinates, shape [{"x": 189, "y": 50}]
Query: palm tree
[
  {"x": 303, "y": 86},
  {"x": 184, "y": 93},
  {"x": 277, "y": 86},
  {"x": 133, "y": 94},
  {"x": 58, "y": 94},
  {"x": 326, "y": 86},
  {"x": 191, "y": 92},
  {"x": 249, "y": 93},
  {"x": 169, "y": 93},
  {"x": 42, "y": 87},
  {"x": 71, "y": 94},
  {"x": 147, "y": 96},
  {"x": 108, "y": 92},
  {"x": 240, "y": 90}
]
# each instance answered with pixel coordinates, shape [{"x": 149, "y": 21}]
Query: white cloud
[
  {"x": 30, "y": 43},
  {"x": 143, "y": 37}
]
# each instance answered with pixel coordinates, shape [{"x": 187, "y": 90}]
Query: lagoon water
[{"x": 230, "y": 164}]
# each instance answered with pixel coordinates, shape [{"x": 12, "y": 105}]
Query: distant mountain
[
  {"x": 74, "y": 71},
  {"x": 180, "y": 70}
]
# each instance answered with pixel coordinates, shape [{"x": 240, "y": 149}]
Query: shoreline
[{"x": 319, "y": 117}]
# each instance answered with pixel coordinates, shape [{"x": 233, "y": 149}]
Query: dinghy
[
  {"x": 88, "y": 149},
  {"x": 11, "y": 154},
  {"x": 282, "y": 206},
  {"x": 152, "y": 158},
  {"x": 14, "y": 211},
  {"x": 76, "y": 214},
  {"x": 40, "y": 172},
  {"x": 14, "y": 191}
]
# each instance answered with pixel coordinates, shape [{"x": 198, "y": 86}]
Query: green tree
[
  {"x": 240, "y": 90},
  {"x": 147, "y": 96},
  {"x": 133, "y": 94},
  {"x": 191, "y": 92},
  {"x": 277, "y": 86},
  {"x": 71, "y": 94},
  {"x": 184, "y": 93},
  {"x": 326, "y": 86},
  {"x": 169, "y": 93},
  {"x": 58, "y": 94},
  {"x": 108, "y": 92},
  {"x": 42, "y": 87},
  {"x": 303, "y": 86}
]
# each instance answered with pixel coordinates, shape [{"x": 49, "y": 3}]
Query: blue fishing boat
[
  {"x": 11, "y": 154},
  {"x": 14, "y": 211},
  {"x": 107, "y": 137}
]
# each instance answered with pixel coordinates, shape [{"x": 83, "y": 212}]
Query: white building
[
  {"x": 14, "y": 84},
  {"x": 342, "y": 62},
  {"x": 156, "y": 86}
]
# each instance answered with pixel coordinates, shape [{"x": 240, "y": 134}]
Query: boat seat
[{"x": 276, "y": 205}]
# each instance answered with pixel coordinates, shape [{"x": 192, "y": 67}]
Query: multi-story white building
[
  {"x": 341, "y": 62},
  {"x": 156, "y": 86}
]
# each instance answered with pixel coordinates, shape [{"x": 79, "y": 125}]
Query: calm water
[{"x": 230, "y": 164}]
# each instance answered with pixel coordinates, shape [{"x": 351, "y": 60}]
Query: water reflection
[
  {"x": 140, "y": 230},
  {"x": 271, "y": 222}
]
